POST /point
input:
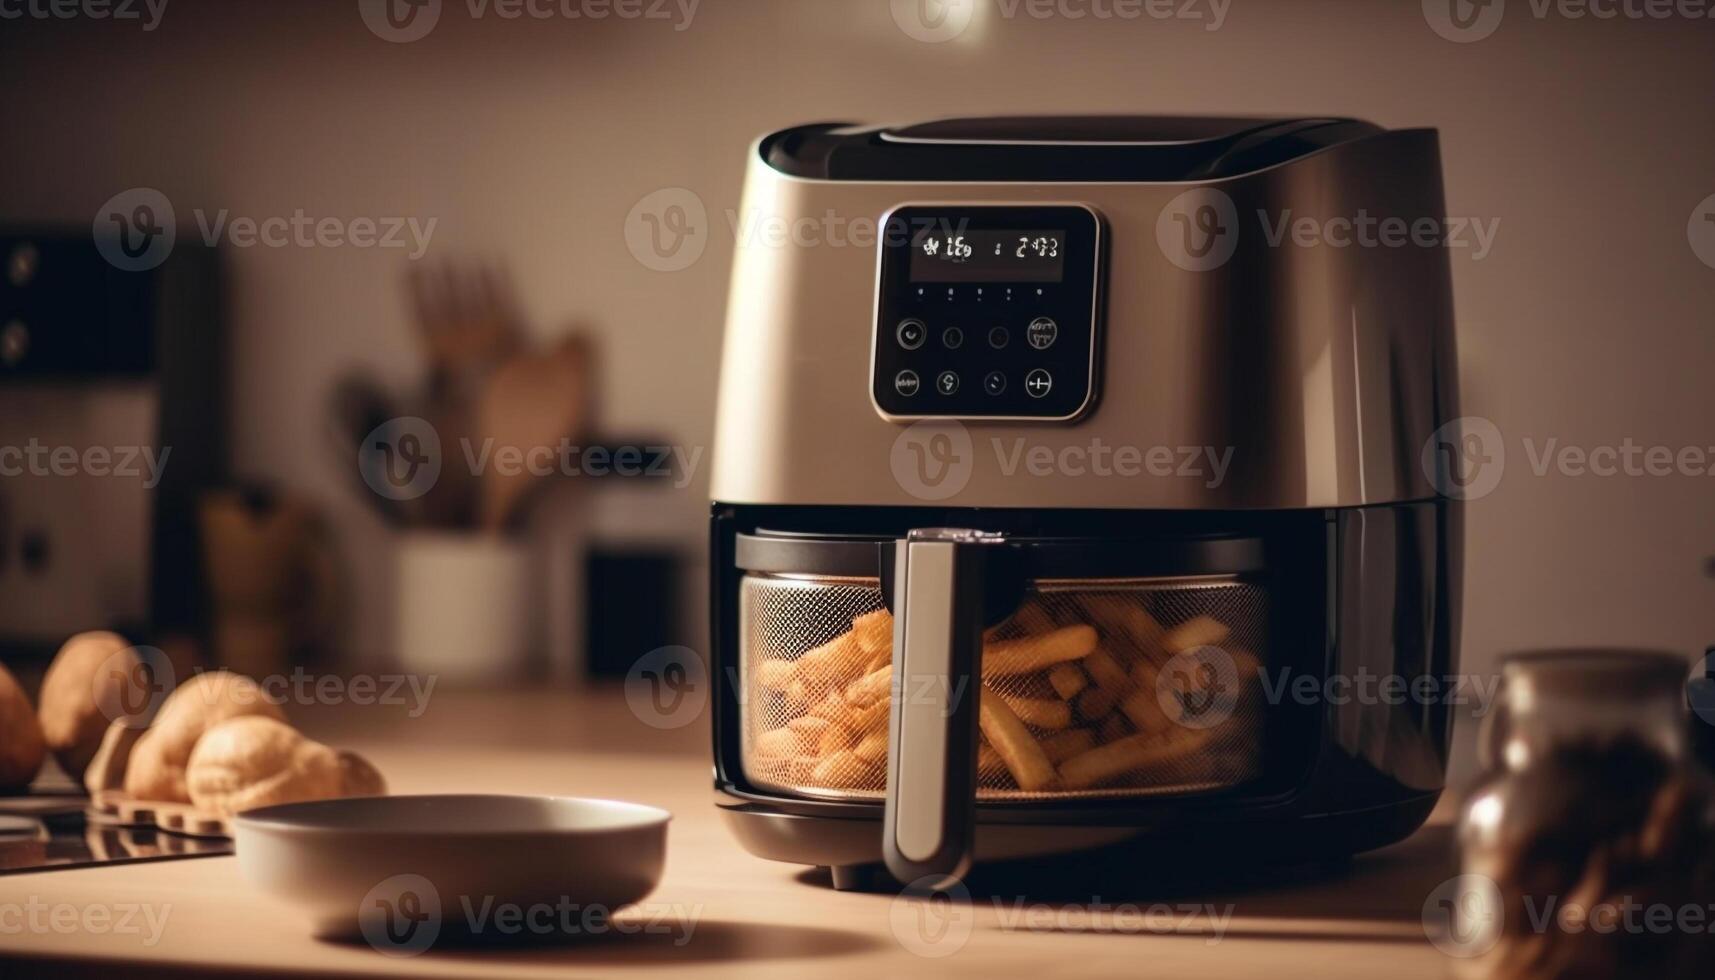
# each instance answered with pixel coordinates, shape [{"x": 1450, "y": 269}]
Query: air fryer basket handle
[{"x": 940, "y": 581}]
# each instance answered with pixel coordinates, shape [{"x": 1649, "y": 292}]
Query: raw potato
[
  {"x": 1029, "y": 654},
  {"x": 157, "y": 768},
  {"x": 21, "y": 746},
  {"x": 253, "y": 761},
  {"x": 358, "y": 778},
  {"x": 107, "y": 770},
  {"x": 77, "y": 705}
]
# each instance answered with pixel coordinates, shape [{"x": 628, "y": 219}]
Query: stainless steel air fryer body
[{"x": 944, "y": 342}]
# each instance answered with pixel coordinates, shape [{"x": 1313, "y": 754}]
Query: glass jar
[{"x": 1587, "y": 848}]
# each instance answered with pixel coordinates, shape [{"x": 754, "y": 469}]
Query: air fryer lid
[{"x": 1055, "y": 148}]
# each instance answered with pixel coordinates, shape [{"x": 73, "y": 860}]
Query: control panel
[{"x": 988, "y": 312}]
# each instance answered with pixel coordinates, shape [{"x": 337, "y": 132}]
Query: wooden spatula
[{"x": 529, "y": 402}]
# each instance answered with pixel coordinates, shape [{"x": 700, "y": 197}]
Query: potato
[
  {"x": 21, "y": 746},
  {"x": 157, "y": 767},
  {"x": 252, "y": 761},
  {"x": 86, "y": 688},
  {"x": 358, "y": 777}
]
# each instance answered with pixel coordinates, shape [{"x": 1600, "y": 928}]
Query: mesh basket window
[{"x": 1091, "y": 688}]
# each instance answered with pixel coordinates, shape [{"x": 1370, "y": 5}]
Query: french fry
[
  {"x": 1131, "y": 631},
  {"x": 1023, "y": 757},
  {"x": 1063, "y": 745},
  {"x": 872, "y": 747},
  {"x": 837, "y": 768},
  {"x": 1029, "y": 654},
  {"x": 1095, "y": 703},
  {"x": 1144, "y": 710},
  {"x": 775, "y": 674},
  {"x": 871, "y": 718},
  {"x": 1245, "y": 664},
  {"x": 778, "y": 743},
  {"x": 870, "y": 688},
  {"x": 832, "y": 706},
  {"x": 1144, "y": 674},
  {"x": 809, "y": 731},
  {"x": 838, "y": 661},
  {"x": 1068, "y": 680},
  {"x": 1128, "y": 755},
  {"x": 882, "y": 658},
  {"x": 1200, "y": 631},
  {"x": 1142, "y": 630},
  {"x": 835, "y": 738},
  {"x": 1047, "y": 713},
  {"x": 1032, "y": 618},
  {"x": 1107, "y": 672},
  {"x": 873, "y": 632},
  {"x": 989, "y": 763},
  {"x": 1114, "y": 727}
]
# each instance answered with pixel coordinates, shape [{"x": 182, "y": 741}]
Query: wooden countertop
[{"x": 739, "y": 912}]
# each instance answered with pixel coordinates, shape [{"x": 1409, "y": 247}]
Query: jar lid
[{"x": 1604, "y": 672}]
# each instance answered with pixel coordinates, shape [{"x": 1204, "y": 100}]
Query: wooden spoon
[{"x": 529, "y": 402}]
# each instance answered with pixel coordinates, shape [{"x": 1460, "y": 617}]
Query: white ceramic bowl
[{"x": 402, "y": 871}]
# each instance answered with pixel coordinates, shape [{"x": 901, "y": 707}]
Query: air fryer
[{"x": 940, "y": 635}]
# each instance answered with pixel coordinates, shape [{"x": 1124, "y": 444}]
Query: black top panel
[{"x": 1054, "y": 148}]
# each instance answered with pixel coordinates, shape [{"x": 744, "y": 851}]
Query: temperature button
[{"x": 1042, "y": 333}]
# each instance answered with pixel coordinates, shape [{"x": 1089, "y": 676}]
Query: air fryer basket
[{"x": 1102, "y": 687}]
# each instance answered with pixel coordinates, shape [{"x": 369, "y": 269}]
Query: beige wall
[{"x": 530, "y": 141}]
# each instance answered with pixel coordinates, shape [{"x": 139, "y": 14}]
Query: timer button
[
  {"x": 1042, "y": 333},
  {"x": 1038, "y": 383},
  {"x": 953, "y": 338},
  {"x": 911, "y": 333},
  {"x": 999, "y": 338},
  {"x": 906, "y": 383},
  {"x": 947, "y": 383},
  {"x": 994, "y": 383}
]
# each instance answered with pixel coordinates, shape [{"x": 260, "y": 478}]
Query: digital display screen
[{"x": 945, "y": 254}]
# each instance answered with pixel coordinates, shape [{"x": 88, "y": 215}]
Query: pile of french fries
[{"x": 1068, "y": 701}]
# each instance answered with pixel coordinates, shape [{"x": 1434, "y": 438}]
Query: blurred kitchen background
[{"x": 540, "y": 148}]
